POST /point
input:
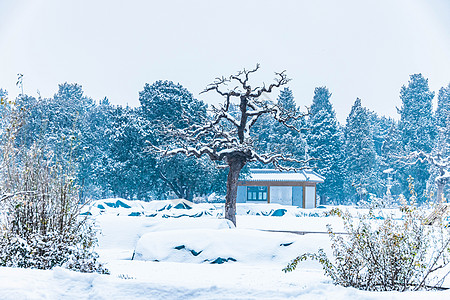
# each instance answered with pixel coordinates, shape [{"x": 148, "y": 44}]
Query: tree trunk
[
  {"x": 189, "y": 194},
  {"x": 440, "y": 183},
  {"x": 440, "y": 190},
  {"x": 323, "y": 200},
  {"x": 235, "y": 163}
]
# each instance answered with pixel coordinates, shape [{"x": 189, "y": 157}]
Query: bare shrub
[
  {"x": 40, "y": 220},
  {"x": 385, "y": 255}
]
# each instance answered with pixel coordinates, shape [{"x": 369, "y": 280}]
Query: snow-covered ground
[{"x": 179, "y": 250}]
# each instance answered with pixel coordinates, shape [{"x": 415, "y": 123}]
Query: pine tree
[
  {"x": 440, "y": 151},
  {"x": 61, "y": 124},
  {"x": 381, "y": 127},
  {"x": 325, "y": 144},
  {"x": 284, "y": 139},
  {"x": 96, "y": 150},
  {"x": 443, "y": 108},
  {"x": 168, "y": 105},
  {"x": 360, "y": 155},
  {"x": 133, "y": 169},
  {"x": 286, "y": 100},
  {"x": 391, "y": 149},
  {"x": 417, "y": 128},
  {"x": 264, "y": 135},
  {"x": 270, "y": 135},
  {"x": 164, "y": 102}
]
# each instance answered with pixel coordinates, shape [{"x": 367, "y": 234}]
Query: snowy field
[{"x": 178, "y": 250}]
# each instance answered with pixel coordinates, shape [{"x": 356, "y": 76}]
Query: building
[{"x": 274, "y": 186}]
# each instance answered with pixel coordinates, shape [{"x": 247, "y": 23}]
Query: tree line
[{"x": 110, "y": 145}]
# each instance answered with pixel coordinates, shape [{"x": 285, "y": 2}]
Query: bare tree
[{"x": 225, "y": 136}]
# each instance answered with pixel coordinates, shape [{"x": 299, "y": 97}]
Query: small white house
[{"x": 274, "y": 186}]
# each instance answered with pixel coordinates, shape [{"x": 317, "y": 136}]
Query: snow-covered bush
[
  {"x": 385, "y": 255},
  {"x": 376, "y": 202},
  {"x": 40, "y": 223}
]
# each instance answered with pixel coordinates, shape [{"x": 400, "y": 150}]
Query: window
[{"x": 257, "y": 193}]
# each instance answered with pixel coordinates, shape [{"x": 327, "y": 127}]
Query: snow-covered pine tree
[
  {"x": 417, "y": 129},
  {"x": 168, "y": 105},
  {"x": 283, "y": 139},
  {"x": 439, "y": 181},
  {"x": 390, "y": 150},
  {"x": 96, "y": 153},
  {"x": 263, "y": 135},
  {"x": 325, "y": 145},
  {"x": 381, "y": 128},
  {"x": 129, "y": 171},
  {"x": 361, "y": 163},
  {"x": 61, "y": 123},
  {"x": 286, "y": 101},
  {"x": 442, "y": 145},
  {"x": 443, "y": 107}
]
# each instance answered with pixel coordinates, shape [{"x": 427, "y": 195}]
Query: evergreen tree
[
  {"x": 168, "y": 105},
  {"x": 60, "y": 124},
  {"x": 284, "y": 139},
  {"x": 130, "y": 170},
  {"x": 286, "y": 100},
  {"x": 391, "y": 149},
  {"x": 271, "y": 136},
  {"x": 263, "y": 136},
  {"x": 441, "y": 150},
  {"x": 360, "y": 155},
  {"x": 380, "y": 127},
  {"x": 443, "y": 108},
  {"x": 325, "y": 144},
  {"x": 96, "y": 150},
  {"x": 416, "y": 123},
  {"x": 417, "y": 128}
]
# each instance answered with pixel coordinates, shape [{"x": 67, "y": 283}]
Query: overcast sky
[{"x": 364, "y": 49}]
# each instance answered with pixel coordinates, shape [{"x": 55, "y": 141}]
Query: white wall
[
  {"x": 310, "y": 197},
  {"x": 281, "y": 195}
]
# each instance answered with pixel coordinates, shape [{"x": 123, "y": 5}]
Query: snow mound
[
  {"x": 277, "y": 210},
  {"x": 163, "y": 208},
  {"x": 222, "y": 245},
  {"x": 185, "y": 223},
  {"x": 117, "y": 206},
  {"x": 178, "y": 208}
]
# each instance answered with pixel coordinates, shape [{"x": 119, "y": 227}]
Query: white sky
[{"x": 356, "y": 48}]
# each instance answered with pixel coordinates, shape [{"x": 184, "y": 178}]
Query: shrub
[
  {"x": 384, "y": 255},
  {"x": 40, "y": 218}
]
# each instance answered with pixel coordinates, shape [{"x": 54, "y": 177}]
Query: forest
[{"x": 109, "y": 146}]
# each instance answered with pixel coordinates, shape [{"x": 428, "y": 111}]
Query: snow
[
  {"x": 445, "y": 176},
  {"x": 388, "y": 171},
  {"x": 185, "y": 245},
  {"x": 214, "y": 246},
  {"x": 276, "y": 175}
]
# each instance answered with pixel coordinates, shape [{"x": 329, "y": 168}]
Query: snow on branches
[
  {"x": 438, "y": 160},
  {"x": 227, "y": 133},
  {"x": 224, "y": 135}
]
